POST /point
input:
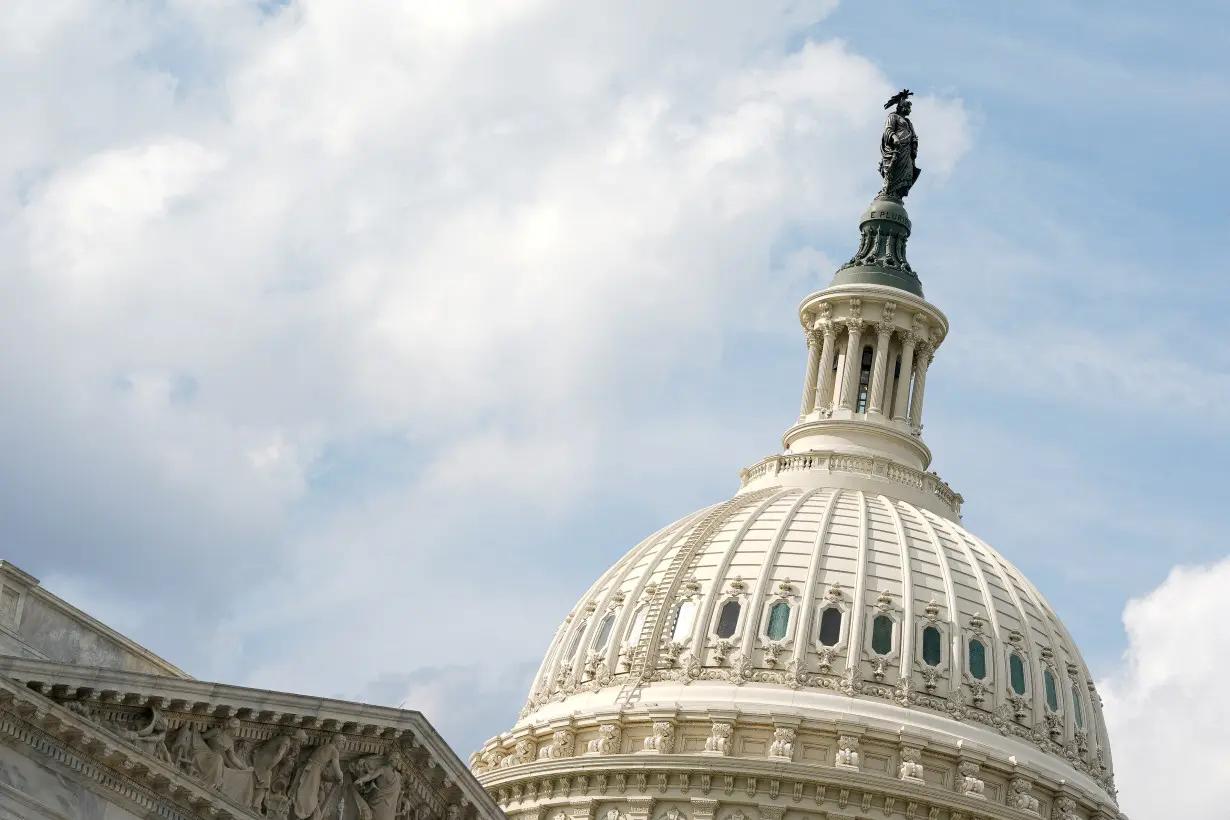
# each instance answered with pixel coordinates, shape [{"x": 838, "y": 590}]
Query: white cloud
[
  {"x": 1164, "y": 716},
  {"x": 240, "y": 243}
]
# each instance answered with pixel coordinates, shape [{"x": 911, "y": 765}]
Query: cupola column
[
  {"x": 923, "y": 361},
  {"x": 809, "y": 381},
  {"x": 824, "y": 387},
  {"x": 884, "y": 334},
  {"x": 854, "y": 358},
  {"x": 901, "y": 401}
]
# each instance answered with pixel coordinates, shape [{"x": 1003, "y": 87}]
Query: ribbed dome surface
[{"x": 928, "y": 620}]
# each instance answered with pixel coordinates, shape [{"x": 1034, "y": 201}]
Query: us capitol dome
[{"x": 830, "y": 642}]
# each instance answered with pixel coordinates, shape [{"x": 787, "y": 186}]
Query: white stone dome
[
  {"x": 831, "y": 632},
  {"x": 862, "y": 554}
]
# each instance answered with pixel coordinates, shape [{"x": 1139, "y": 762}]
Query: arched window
[
  {"x": 779, "y": 621},
  {"x": 1016, "y": 669},
  {"x": 931, "y": 646},
  {"x": 638, "y": 624},
  {"x": 1052, "y": 694},
  {"x": 728, "y": 619},
  {"x": 864, "y": 379},
  {"x": 683, "y": 620},
  {"x": 575, "y": 644},
  {"x": 604, "y": 632},
  {"x": 830, "y": 626},
  {"x": 882, "y": 635},
  {"x": 977, "y": 659},
  {"x": 1077, "y": 712}
]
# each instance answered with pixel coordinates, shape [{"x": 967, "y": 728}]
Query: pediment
[{"x": 184, "y": 749}]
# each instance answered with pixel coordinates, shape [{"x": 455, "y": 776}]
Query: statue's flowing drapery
[{"x": 898, "y": 150}]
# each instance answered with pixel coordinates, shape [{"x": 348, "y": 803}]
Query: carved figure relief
[
  {"x": 317, "y": 784},
  {"x": 210, "y": 755},
  {"x": 273, "y": 763},
  {"x": 377, "y": 785}
]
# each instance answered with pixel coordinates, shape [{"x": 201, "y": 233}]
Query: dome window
[
  {"x": 882, "y": 634},
  {"x": 728, "y": 619},
  {"x": 638, "y": 624},
  {"x": 684, "y": 614},
  {"x": 931, "y": 646},
  {"x": 779, "y": 621},
  {"x": 977, "y": 659},
  {"x": 575, "y": 644},
  {"x": 830, "y": 626},
  {"x": 1076, "y": 707},
  {"x": 1052, "y": 694},
  {"x": 1016, "y": 669},
  {"x": 604, "y": 632},
  {"x": 864, "y": 381}
]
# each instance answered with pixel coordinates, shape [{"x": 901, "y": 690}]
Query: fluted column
[
  {"x": 901, "y": 401},
  {"x": 809, "y": 380},
  {"x": 884, "y": 334},
  {"x": 854, "y": 358},
  {"x": 824, "y": 387},
  {"x": 924, "y": 356}
]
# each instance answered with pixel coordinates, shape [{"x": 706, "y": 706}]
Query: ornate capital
[
  {"x": 885, "y": 328},
  {"x": 856, "y": 325},
  {"x": 830, "y": 329}
]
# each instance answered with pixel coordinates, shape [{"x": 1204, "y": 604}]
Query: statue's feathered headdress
[{"x": 900, "y": 97}]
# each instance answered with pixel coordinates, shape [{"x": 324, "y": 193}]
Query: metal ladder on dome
[{"x": 645, "y": 653}]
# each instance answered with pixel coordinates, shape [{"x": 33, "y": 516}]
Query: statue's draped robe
[
  {"x": 322, "y": 766},
  {"x": 378, "y": 789},
  {"x": 898, "y": 150}
]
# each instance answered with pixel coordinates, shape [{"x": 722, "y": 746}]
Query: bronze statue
[{"x": 899, "y": 148}]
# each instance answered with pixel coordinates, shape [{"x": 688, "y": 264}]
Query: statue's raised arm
[{"x": 898, "y": 148}]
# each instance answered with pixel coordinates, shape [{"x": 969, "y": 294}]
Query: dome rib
[
  {"x": 700, "y": 628},
  {"x": 997, "y": 665},
  {"x": 854, "y": 648},
  {"x": 764, "y": 578},
  {"x": 813, "y": 572},
  {"x": 907, "y": 586}
]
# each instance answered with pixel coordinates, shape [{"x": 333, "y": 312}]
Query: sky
[{"x": 347, "y": 343}]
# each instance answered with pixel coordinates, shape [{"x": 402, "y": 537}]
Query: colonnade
[{"x": 898, "y": 373}]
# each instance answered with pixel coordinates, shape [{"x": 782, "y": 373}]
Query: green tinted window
[
  {"x": 1017, "y": 669},
  {"x": 1052, "y": 695},
  {"x": 779, "y": 620},
  {"x": 882, "y": 635},
  {"x": 931, "y": 646},
  {"x": 977, "y": 660}
]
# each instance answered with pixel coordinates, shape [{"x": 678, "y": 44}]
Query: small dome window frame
[
  {"x": 886, "y": 607},
  {"x": 975, "y": 628},
  {"x": 1027, "y": 675},
  {"x": 785, "y": 594},
  {"x": 736, "y": 593}
]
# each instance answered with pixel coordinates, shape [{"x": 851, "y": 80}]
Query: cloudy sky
[{"x": 347, "y": 342}]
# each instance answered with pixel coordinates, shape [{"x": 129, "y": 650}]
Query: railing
[{"x": 859, "y": 465}]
